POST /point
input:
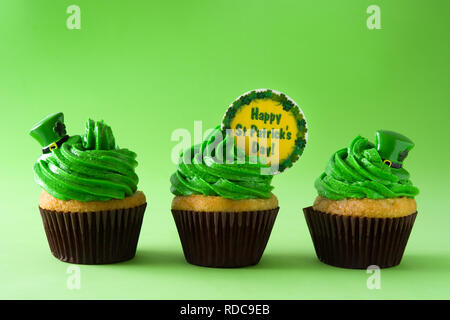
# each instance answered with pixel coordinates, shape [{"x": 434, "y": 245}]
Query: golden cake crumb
[
  {"x": 49, "y": 202},
  {"x": 219, "y": 204},
  {"x": 370, "y": 208}
]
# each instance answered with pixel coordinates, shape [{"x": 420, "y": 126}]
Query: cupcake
[
  {"x": 90, "y": 206},
  {"x": 365, "y": 208},
  {"x": 223, "y": 207}
]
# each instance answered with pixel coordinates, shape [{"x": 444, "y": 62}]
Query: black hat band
[{"x": 55, "y": 145}]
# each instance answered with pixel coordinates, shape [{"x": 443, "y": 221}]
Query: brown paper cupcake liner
[
  {"x": 93, "y": 237},
  {"x": 224, "y": 239},
  {"x": 358, "y": 242}
]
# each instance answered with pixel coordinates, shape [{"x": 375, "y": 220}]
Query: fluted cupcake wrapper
[
  {"x": 358, "y": 242},
  {"x": 93, "y": 237},
  {"x": 224, "y": 239}
]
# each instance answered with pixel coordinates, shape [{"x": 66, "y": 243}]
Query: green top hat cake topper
[
  {"x": 50, "y": 132},
  {"x": 393, "y": 147}
]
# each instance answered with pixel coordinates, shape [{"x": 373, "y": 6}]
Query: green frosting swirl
[
  {"x": 218, "y": 168},
  {"x": 359, "y": 172},
  {"x": 88, "y": 167}
]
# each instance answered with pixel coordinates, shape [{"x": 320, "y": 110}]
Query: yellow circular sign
[{"x": 267, "y": 124}]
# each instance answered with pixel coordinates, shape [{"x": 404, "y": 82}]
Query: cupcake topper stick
[
  {"x": 393, "y": 147},
  {"x": 50, "y": 132}
]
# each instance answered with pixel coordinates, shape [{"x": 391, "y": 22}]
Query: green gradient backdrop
[{"x": 149, "y": 67}]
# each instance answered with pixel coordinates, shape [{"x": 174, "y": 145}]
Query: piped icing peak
[
  {"x": 85, "y": 167},
  {"x": 360, "y": 171},
  {"x": 202, "y": 169}
]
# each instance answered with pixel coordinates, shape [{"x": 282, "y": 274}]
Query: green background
[{"x": 150, "y": 67}]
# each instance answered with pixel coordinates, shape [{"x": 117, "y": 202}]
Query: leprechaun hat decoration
[
  {"x": 50, "y": 132},
  {"x": 393, "y": 147}
]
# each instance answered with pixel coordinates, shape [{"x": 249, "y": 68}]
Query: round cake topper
[{"x": 267, "y": 124}]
